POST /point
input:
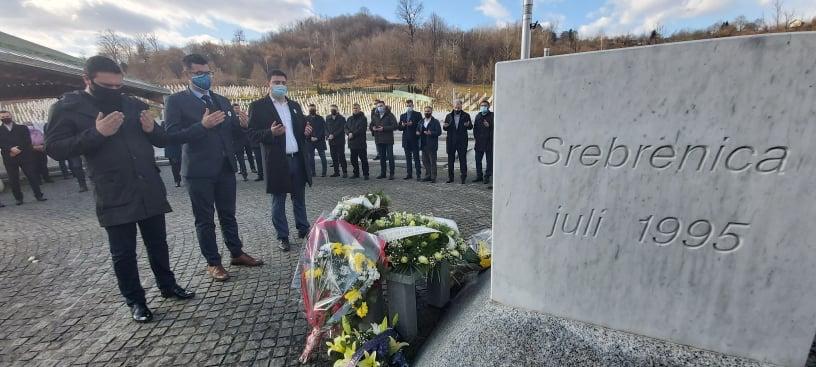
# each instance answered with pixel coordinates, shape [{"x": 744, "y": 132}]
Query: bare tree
[
  {"x": 110, "y": 44},
  {"x": 410, "y": 11},
  {"x": 779, "y": 8},
  {"x": 238, "y": 38}
]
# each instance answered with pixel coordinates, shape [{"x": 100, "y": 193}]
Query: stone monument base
[{"x": 478, "y": 332}]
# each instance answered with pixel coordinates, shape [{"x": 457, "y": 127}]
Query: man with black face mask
[
  {"x": 18, "y": 153},
  {"x": 317, "y": 141},
  {"x": 457, "y": 123},
  {"x": 335, "y": 125},
  {"x": 116, "y": 134}
]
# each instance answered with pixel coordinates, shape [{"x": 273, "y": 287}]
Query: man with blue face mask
[
  {"x": 409, "y": 121},
  {"x": 206, "y": 124},
  {"x": 483, "y": 135}
]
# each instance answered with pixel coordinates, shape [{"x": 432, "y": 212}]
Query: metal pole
[{"x": 526, "y": 20}]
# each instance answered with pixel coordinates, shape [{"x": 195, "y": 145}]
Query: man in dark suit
[
  {"x": 483, "y": 136},
  {"x": 457, "y": 123},
  {"x": 205, "y": 124},
  {"x": 409, "y": 121},
  {"x": 279, "y": 125},
  {"x": 427, "y": 132},
  {"x": 18, "y": 153},
  {"x": 383, "y": 124},
  {"x": 116, "y": 134},
  {"x": 356, "y": 126},
  {"x": 335, "y": 125},
  {"x": 242, "y": 146},
  {"x": 317, "y": 141}
]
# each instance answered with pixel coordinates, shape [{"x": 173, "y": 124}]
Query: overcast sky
[{"x": 72, "y": 25}]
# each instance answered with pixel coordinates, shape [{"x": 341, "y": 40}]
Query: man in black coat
[
  {"x": 427, "y": 132},
  {"x": 457, "y": 123},
  {"x": 383, "y": 124},
  {"x": 205, "y": 124},
  {"x": 279, "y": 125},
  {"x": 241, "y": 144},
  {"x": 483, "y": 136},
  {"x": 18, "y": 153},
  {"x": 409, "y": 121},
  {"x": 317, "y": 141},
  {"x": 336, "y": 136},
  {"x": 173, "y": 154},
  {"x": 116, "y": 134},
  {"x": 356, "y": 126}
]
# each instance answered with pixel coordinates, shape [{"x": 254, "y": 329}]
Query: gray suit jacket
[{"x": 204, "y": 151}]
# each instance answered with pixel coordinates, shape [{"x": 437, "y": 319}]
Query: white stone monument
[{"x": 667, "y": 191}]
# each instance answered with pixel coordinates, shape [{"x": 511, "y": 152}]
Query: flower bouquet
[
  {"x": 376, "y": 347},
  {"x": 339, "y": 266},
  {"x": 417, "y": 243},
  {"x": 361, "y": 210}
]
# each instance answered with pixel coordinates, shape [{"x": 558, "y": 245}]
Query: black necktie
[{"x": 208, "y": 101}]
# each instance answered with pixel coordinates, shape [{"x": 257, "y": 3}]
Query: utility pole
[{"x": 526, "y": 21}]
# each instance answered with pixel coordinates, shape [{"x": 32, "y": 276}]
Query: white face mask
[{"x": 409, "y": 109}]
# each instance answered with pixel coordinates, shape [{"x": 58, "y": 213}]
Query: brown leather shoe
[
  {"x": 218, "y": 273},
  {"x": 246, "y": 260}
]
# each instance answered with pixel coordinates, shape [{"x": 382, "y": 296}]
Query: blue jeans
[
  {"x": 297, "y": 174},
  {"x": 386, "y": 153}
]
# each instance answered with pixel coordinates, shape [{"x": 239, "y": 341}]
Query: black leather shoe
[
  {"x": 487, "y": 180},
  {"x": 391, "y": 178},
  {"x": 335, "y": 175},
  {"x": 408, "y": 177},
  {"x": 2, "y": 206},
  {"x": 19, "y": 202},
  {"x": 427, "y": 179},
  {"x": 177, "y": 292},
  {"x": 260, "y": 178},
  {"x": 380, "y": 177},
  {"x": 178, "y": 184},
  {"x": 283, "y": 244},
  {"x": 450, "y": 180},
  {"x": 477, "y": 179},
  {"x": 354, "y": 176},
  {"x": 345, "y": 175},
  {"x": 141, "y": 313},
  {"x": 463, "y": 180},
  {"x": 42, "y": 199},
  {"x": 365, "y": 178}
]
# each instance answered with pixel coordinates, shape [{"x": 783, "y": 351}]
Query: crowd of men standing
[{"x": 206, "y": 137}]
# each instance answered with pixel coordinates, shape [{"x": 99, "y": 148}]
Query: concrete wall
[{"x": 634, "y": 145}]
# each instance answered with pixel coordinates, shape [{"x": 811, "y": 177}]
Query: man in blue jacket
[
  {"x": 205, "y": 123},
  {"x": 408, "y": 123}
]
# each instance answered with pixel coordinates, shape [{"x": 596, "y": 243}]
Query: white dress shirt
[{"x": 286, "y": 120}]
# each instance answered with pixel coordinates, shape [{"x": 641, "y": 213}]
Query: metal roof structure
[{"x": 32, "y": 71}]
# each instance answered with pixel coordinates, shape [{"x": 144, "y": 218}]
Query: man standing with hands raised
[
  {"x": 116, "y": 134},
  {"x": 205, "y": 123},
  {"x": 457, "y": 123},
  {"x": 279, "y": 125}
]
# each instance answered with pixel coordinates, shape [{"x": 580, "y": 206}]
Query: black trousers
[
  {"x": 429, "y": 160},
  {"x": 26, "y": 162},
  {"x": 338, "y": 156},
  {"x": 386, "y": 153},
  {"x": 239, "y": 156},
  {"x": 122, "y": 240},
  {"x": 362, "y": 156},
  {"x": 256, "y": 151},
  {"x": 175, "y": 167},
  {"x": 479, "y": 156},
  {"x": 453, "y": 152},
  {"x": 42, "y": 165},
  {"x": 412, "y": 158},
  {"x": 210, "y": 195}
]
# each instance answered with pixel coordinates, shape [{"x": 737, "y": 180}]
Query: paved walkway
[{"x": 66, "y": 310}]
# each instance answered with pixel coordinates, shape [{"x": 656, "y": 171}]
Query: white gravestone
[{"x": 666, "y": 191}]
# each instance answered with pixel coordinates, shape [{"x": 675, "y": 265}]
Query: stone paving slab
[{"x": 66, "y": 309}]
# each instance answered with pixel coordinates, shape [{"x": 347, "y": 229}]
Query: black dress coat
[
  {"x": 483, "y": 135},
  {"x": 336, "y": 125},
  {"x": 262, "y": 113},
  {"x": 457, "y": 138},
  {"x": 127, "y": 184},
  {"x": 357, "y": 125}
]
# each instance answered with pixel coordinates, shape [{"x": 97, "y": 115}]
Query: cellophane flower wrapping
[
  {"x": 481, "y": 245},
  {"x": 340, "y": 264}
]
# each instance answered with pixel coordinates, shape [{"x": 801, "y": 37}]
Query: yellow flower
[
  {"x": 338, "y": 345},
  {"x": 357, "y": 262},
  {"x": 347, "y": 249},
  {"x": 438, "y": 256},
  {"x": 362, "y": 311},
  {"x": 371, "y": 264},
  {"x": 314, "y": 273},
  {"x": 337, "y": 248},
  {"x": 394, "y": 346},
  {"x": 370, "y": 360},
  {"x": 353, "y": 295},
  {"x": 412, "y": 224},
  {"x": 484, "y": 250},
  {"x": 404, "y": 259},
  {"x": 485, "y": 262}
]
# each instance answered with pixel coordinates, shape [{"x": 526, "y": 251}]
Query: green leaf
[{"x": 346, "y": 325}]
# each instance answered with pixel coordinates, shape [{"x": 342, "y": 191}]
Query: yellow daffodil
[
  {"x": 339, "y": 344},
  {"x": 347, "y": 249},
  {"x": 353, "y": 295},
  {"x": 314, "y": 273},
  {"x": 372, "y": 264},
  {"x": 483, "y": 250},
  {"x": 337, "y": 249},
  {"x": 369, "y": 360},
  {"x": 346, "y": 356},
  {"x": 362, "y": 311},
  {"x": 484, "y": 263}
]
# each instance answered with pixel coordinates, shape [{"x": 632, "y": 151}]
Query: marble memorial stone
[{"x": 667, "y": 191}]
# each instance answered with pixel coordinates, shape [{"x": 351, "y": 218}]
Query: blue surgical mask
[
  {"x": 484, "y": 110},
  {"x": 380, "y": 109},
  {"x": 409, "y": 109},
  {"x": 279, "y": 91},
  {"x": 203, "y": 81}
]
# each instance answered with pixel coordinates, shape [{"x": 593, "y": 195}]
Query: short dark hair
[
  {"x": 485, "y": 101},
  {"x": 276, "y": 72},
  {"x": 311, "y": 105},
  {"x": 191, "y": 59},
  {"x": 409, "y": 101},
  {"x": 332, "y": 105},
  {"x": 100, "y": 64},
  {"x": 4, "y": 111}
]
